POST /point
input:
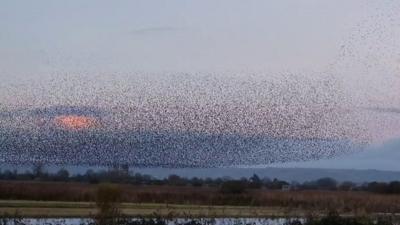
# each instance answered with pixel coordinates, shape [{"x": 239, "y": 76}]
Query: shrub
[
  {"x": 233, "y": 187},
  {"x": 108, "y": 197}
]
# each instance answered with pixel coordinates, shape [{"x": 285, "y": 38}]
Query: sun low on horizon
[{"x": 75, "y": 122}]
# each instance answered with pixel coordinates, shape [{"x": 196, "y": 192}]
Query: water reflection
[{"x": 138, "y": 221}]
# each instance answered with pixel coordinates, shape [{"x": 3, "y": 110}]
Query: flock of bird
[{"x": 206, "y": 120}]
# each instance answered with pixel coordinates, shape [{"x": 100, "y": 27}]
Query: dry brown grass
[{"x": 345, "y": 202}]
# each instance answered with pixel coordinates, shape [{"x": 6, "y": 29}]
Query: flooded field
[{"x": 138, "y": 221}]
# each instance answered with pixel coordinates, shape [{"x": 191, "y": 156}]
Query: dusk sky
[
  {"x": 125, "y": 36},
  {"x": 326, "y": 70}
]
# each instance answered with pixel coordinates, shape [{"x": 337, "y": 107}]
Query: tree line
[{"x": 226, "y": 184}]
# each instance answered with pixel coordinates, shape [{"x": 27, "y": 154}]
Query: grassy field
[
  {"x": 87, "y": 209},
  {"x": 56, "y": 209},
  {"x": 57, "y": 199}
]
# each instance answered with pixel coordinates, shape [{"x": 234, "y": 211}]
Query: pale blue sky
[
  {"x": 40, "y": 37},
  {"x": 384, "y": 156}
]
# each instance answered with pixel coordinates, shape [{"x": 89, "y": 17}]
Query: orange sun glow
[{"x": 75, "y": 122}]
